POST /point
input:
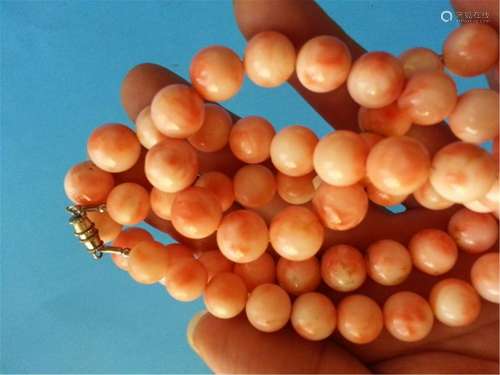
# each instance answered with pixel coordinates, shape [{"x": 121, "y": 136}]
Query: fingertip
[
  {"x": 141, "y": 83},
  {"x": 191, "y": 328},
  {"x": 234, "y": 346}
]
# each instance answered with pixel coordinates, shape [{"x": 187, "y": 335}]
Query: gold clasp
[{"x": 85, "y": 230}]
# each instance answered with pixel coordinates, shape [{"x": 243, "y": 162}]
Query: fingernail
[{"x": 192, "y": 327}]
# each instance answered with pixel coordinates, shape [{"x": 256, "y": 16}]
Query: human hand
[{"x": 234, "y": 345}]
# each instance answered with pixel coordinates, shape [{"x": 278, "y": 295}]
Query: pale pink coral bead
[
  {"x": 471, "y": 50},
  {"x": 343, "y": 268},
  {"x": 429, "y": 97},
  {"x": 340, "y": 158},
  {"x": 388, "y": 262},
  {"x": 340, "y": 207},
  {"x": 177, "y": 111},
  {"x": 462, "y": 172},
  {"x": 475, "y": 117},
  {"x": 376, "y": 80},
  {"x": 398, "y": 165},
  {"x": 433, "y": 251},
  {"x": 269, "y": 59},
  {"x": 359, "y": 319},
  {"x": 455, "y": 302},
  {"x": 484, "y": 277},
  {"x": 472, "y": 231},
  {"x": 323, "y": 63},
  {"x": 314, "y": 316},
  {"x": 216, "y": 73},
  {"x": 420, "y": 59},
  {"x": 292, "y": 150},
  {"x": 408, "y": 316}
]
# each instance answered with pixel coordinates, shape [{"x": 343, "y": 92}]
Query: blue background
[{"x": 62, "y": 65}]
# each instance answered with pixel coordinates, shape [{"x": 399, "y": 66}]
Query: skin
[{"x": 234, "y": 346}]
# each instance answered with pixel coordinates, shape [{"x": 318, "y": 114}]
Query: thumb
[{"x": 234, "y": 346}]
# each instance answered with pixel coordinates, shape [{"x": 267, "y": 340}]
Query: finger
[
  {"x": 300, "y": 21},
  {"x": 437, "y": 363},
  {"x": 234, "y": 346}
]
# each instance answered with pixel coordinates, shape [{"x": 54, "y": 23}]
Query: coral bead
[
  {"x": 214, "y": 132},
  {"x": 475, "y": 117},
  {"x": 295, "y": 190},
  {"x": 340, "y": 158},
  {"x": 161, "y": 203},
  {"x": 175, "y": 252},
  {"x": 177, "y": 111},
  {"x": 343, "y": 268},
  {"x": 484, "y": 277},
  {"x": 225, "y": 295},
  {"x": 250, "y": 139},
  {"x": 147, "y": 133},
  {"x": 242, "y": 236},
  {"x": 216, "y": 73},
  {"x": 269, "y": 59},
  {"x": 388, "y": 262},
  {"x": 215, "y": 262},
  {"x": 135, "y": 174},
  {"x": 128, "y": 203},
  {"x": 186, "y": 280},
  {"x": 408, "y": 316},
  {"x": 433, "y": 251},
  {"x": 398, "y": 165},
  {"x": 471, "y": 50},
  {"x": 128, "y": 238},
  {"x": 323, "y": 63},
  {"x": 371, "y": 139},
  {"x": 340, "y": 207},
  {"x": 462, "y": 172},
  {"x": 254, "y": 186},
  {"x": 171, "y": 165},
  {"x": 147, "y": 262},
  {"x": 107, "y": 227},
  {"x": 298, "y": 277},
  {"x": 296, "y": 233},
  {"x": 382, "y": 198},
  {"x": 86, "y": 184},
  {"x": 292, "y": 150},
  {"x": 455, "y": 302},
  {"x": 387, "y": 121},
  {"x": 416, "y": 60},
  {"x": 359, "y": 319},
  {"x": 113, "y": 148},
  {"x": 268, "y": 308},
  {"x": 313, "y": 316},
  {"x": 488, "y": 203},
  {"x": 429, "y": 97},
  {"x": 428, "y": 197},
  {"x": 196, "y": 212},
  {"x": 376, "y": 80},
  {"x": 472, "y": 231},
  {"x": 220, "y": 185},
  {"x": 260, "y": 271}
]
